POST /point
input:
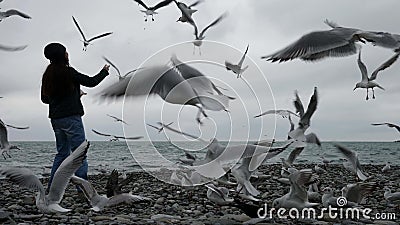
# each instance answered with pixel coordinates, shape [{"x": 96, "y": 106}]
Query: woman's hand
[{"x": 106, "y": 67}]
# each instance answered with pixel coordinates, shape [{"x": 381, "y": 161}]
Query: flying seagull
[
  {"x": 336, "y": 42},
  {"x": 15, "y": 127},
  {"x": 117, "y": 119},
  {"x": 115, "y": 137},
  {"x": 12, "y": 48},
  {"x": 151, "y": 11},
  {"x": 298, "y": 134},
  {"x": 5, "y": 146},
  {"x": 49, "y": 203},
  {"x": 282, "y": 112},
  {"x": 237, "y": 69},
  {"x": 187, "y": 11},
  {"x": 353, "y": 163},
  {"x": 99, "y": 202},
  {"x": 397, "y": 127},
  {"x": 200, "y": 37},
  {"x": 12, "y": 12},
  {"x": 120, "y": 77},
  {"x": 159, "y": 129},
  {"x": 368, "y": 82},
  {"x": 85, "y": 41}
]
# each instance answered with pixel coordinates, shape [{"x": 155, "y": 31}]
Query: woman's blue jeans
[{"x": 69, "y": 134}]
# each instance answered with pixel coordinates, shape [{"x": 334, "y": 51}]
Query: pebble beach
[{"x": 173, "y": 204}]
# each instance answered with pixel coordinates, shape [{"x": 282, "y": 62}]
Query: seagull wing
[
  {"x": 294, "y": 154},
  {"x": 15, "y": 127},
  {"x": 102, "y": 134},
  {"x": 196, "y": 3},
  {"x": 3, "y": 135},
  {"x": 181, "y": 132},
  {"x": 312, "y": 43},
  {"x": 129, "y": 138},
  {"x": 66, "y": 170},
  {"x": 12, "y": 49},
  {"x": 99, "y": 36},
  {"x": 357, "y": 192},
  {"x": 112, "y": 183},
  {"x": 363, "y": 68},
  {"x": 86, "y": 187},
  {"x": 12, "y": 12},
  {"x": 331, "y": 23},
  {"x": 23, "y": 177},
  {"x": 213, "y": 23},
  {"x": 161, "y": 4},
  {"x": 141, "y": 3},
  {"x": 352, "y": 157},
  {"x": 385, "y": 65},
  {"x": 114, "y": 117},
  {"x": 393, "y": 125},
  {"x": 341, "y": 51},
  {"x": 243, "y": 57},
  {"x": 125, "y": 198},
  {"x": 79, "y": 28},
  {"x": 298, "y": 105},
  {"x": 312, "y": 106},
  {"x": 112, "y": 64}
]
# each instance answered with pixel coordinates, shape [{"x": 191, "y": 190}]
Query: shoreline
[{"x": 179, "y": 205}]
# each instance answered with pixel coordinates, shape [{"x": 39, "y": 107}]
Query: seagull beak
[{"x": 354, "y": 88}]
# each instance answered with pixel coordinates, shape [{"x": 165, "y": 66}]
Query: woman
[{"x": 61, "y": 91}]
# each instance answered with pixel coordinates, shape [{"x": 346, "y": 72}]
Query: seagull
[
  {"x": 12, "y": 48},
  {"x": 352, "y": 158},
  {"x": 114, "y": 186},
  {"x": 304, "y": 123},
  {"x": 242, "y": 174},
  {"x": 116, "y": 138},
  {"x": 120, "y": 77},
  {"x": 386, "y": 168},
  {"x": 49, "y": 203},
  {"x": 117, "y": 119},
  {"x": 368, "y": 82},
  {"x": 358, "y": 191},
  {"x": 397, "y": 127},
  {"x": 282, "y": 112},
  {"x": 383, "y": 39},
  {"x": 218, "y": 195},
  {"x": 237, "y": 69},
  {"x": 297, "y": 196},
  {"x": 85, "y": 41},
  {"x": 200, "y": 37},
  {"x": 5, "y": 146},
  {"x": 328, "y": 199},
  {"x": 15, "y": 127},
  {"x": 187, "y": 11},
  {"x": 392, "y": 198},
  {"x": 337, "y": 42},
  {"x": 287, "y": 163},
  {"x": 159, "y": 129},
  {"x": 99, "y": 202},
  {"x": 173, "y": 86},
  {"x": 151, "y": 11},
  {"x": 12, "y": 12}
]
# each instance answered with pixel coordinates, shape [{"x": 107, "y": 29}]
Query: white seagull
[
  {"x": 12, "y": 48},
  {"x": 5, "y": 146},
  {"x": 200, "y": 37},
  {"x": 304, "y": 123},
  {"x": 120, "y": 77},
  {"x": 386, "y": 168},
  {"x": 12, "y": 12},
  {"x": 218, "y": 195},
  {"x": 116, "y": 119},
  {"x": 282, "y": 112},
  {"x": 352, "y": 158},
  {"x": 49, "y": 203},
  {"x": 297, "y": 196},
  {"x": 85, "y": 41},
  {"x": 99, "y": 202},
  {"x": 368, "y": 82},
  {"x": 115, "y": 137},
  {"x": 392, "y": 198},
  {"x": 337, "y": 42},
  {"x": 187, "y": 11},
  {"x": 237, "y": 69},
  {"x": 173, "y": 86},
  {"x": 151, "y": 11}
]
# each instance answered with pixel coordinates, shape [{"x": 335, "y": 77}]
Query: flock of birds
[{"x": 180, "y": 83}]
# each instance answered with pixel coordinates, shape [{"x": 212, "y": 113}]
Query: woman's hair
[{"x": 57, "y": 79}]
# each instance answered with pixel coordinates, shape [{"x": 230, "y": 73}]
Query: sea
[{"x": 104, "y": 156}]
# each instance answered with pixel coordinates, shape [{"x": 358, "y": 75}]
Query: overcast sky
[{"x": 267, "y": 25}]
